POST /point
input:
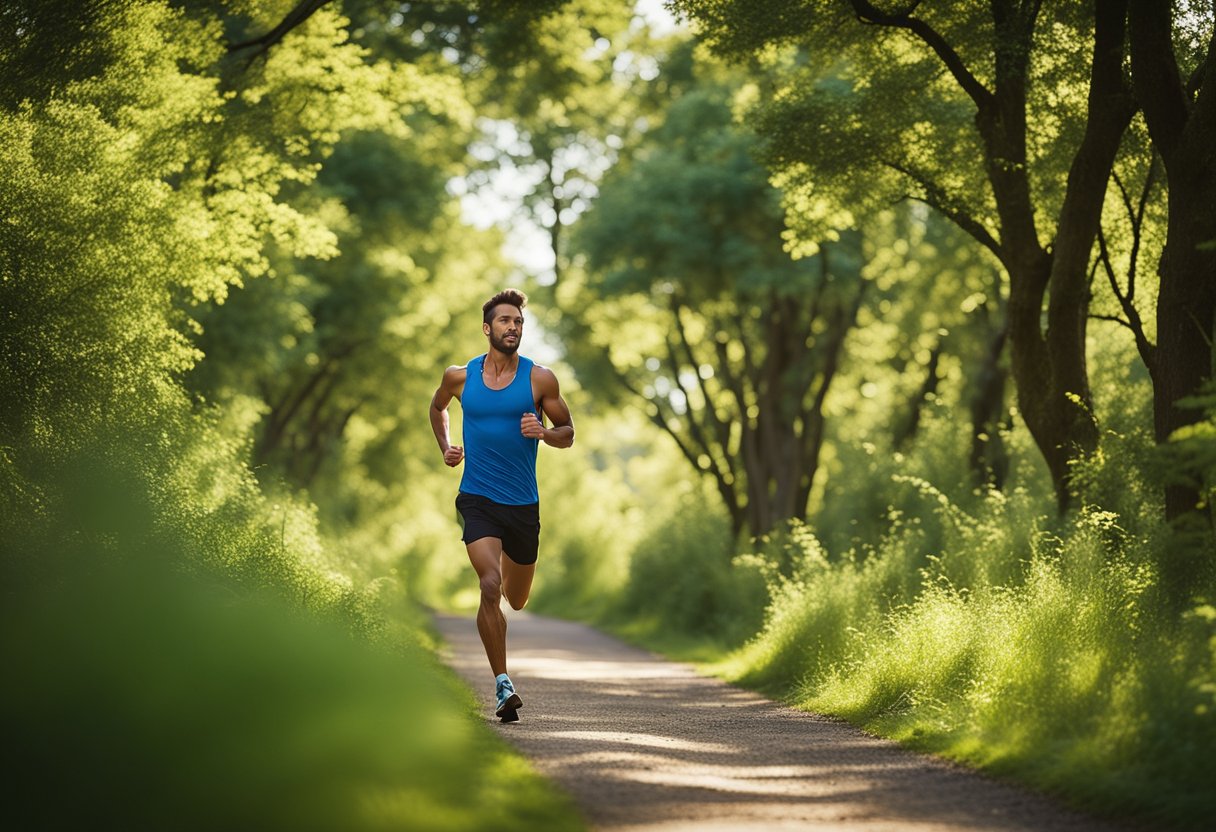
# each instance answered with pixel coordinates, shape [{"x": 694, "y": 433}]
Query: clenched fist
[
  {"x": 531, "y": 427},
  {"x": 453, "y": 455}
]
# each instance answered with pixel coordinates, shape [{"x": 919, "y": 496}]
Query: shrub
[{"x": 681, "y": 579}]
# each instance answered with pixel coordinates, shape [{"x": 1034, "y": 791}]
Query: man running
[{"x": 502, "y": 395}]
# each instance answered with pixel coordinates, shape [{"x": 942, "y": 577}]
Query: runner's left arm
[{"x": 554, "y": 407}]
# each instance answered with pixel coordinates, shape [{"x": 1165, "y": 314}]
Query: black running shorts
[{"x": 518, "y": 527}]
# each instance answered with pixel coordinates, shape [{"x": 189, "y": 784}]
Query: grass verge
[{"x": 159, "y": 703}]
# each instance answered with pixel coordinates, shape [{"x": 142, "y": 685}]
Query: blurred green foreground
[{"x": 144, "y": 692}]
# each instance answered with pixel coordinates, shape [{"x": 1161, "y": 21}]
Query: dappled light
[
  {"x": 853, "y": 357},
  {"x": 647, "y": 744}
]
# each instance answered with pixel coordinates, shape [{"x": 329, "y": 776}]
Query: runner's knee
[
  {"x": 491, "y": 587},
  {"x": 517, "y": 603}
]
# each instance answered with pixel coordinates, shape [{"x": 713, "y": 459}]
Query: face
[{"x": 505, "y": 329}]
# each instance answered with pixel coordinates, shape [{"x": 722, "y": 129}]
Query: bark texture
[{"x": 1181, "y": 118}]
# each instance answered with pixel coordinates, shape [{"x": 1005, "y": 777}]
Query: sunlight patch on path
[
  {"x": 571, "y": 667},
  {"x": 669, "y": 743},
  {"x": 647, "y": 745}
]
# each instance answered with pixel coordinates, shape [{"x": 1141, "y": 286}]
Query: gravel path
[{"x": 647, "y": 744}]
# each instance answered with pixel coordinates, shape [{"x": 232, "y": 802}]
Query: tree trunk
[
  {"x": 296, "y": 17},
  {"x": 814, "y": 423},
  {"x": 1186, "y": 311},
  {"x": 1181, "y": 119},
  {"x": 1042, "y": 404},
  {"x": 1049, "y": 369},
  {"x": 1183, "y": 128},
  {"x": 907, "y": 427},
  {"x": 782, "y": 441},
  {"x": 988, "y": 461}
]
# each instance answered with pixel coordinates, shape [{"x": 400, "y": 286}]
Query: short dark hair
[{"x": 512, "y": 296}]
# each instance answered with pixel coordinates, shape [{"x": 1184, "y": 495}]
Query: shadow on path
[{"x": 643, "y": 743}]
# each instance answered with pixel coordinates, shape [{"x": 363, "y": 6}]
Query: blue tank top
[{"x": 499, "y": 461}]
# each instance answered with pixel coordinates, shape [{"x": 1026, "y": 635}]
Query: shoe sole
[{"x": 506, "y": 711}]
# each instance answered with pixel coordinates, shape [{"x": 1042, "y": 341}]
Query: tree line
[{"x": 1070, "y": 145}]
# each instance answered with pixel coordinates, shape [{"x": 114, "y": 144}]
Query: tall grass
[
  {"x": 684, "y": 590},
  {"x": 1024, "y": 645}
]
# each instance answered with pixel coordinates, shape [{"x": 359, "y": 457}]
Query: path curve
[{"x": 647, "y": 744}]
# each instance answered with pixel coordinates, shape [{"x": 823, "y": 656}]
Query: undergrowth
[{"x": 1051, "y": 658}]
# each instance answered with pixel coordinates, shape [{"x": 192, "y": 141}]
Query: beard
[{"x": 502, "y": 345}]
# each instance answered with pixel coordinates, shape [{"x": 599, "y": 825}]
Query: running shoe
[{"x": 508, "y": 701}]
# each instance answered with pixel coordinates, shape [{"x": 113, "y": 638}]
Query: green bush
[
  {"x": 139, "y": 700},
  {"x": 682, "y": 581}
]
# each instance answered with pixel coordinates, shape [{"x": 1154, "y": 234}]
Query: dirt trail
[{"x": 647, "y": 744}]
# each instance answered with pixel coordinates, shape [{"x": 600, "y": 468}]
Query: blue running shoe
[{"x": 508, "y": 700}]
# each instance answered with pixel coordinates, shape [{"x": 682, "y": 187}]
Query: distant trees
[
  {"x": 735, "y": 345},
  {"x": 353, "y": 340}
]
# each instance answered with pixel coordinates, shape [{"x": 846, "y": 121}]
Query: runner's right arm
[{"x": 450, "y": 388}]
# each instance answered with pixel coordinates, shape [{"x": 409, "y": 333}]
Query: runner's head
[
  {"x": 514, "y": 297},
  {"x": 503, "y": 319}
]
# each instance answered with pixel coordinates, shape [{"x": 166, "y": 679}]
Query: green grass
[
  {"x": 158, "y": 704},
  {"x": 1070, "y": 679}
]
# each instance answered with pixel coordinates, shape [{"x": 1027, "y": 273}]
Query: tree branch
[
  {"x": 1204, "y": 110},
  {"x": 813, "y": 421},
  {"x": 725, "y": 489},
  {"x": 937, "y": 199},
  {"x": 811, "y": 366},
  {"x": 331, "y": 431},
  {"x": 867, "y": 13},
  {"x": 282, "y": 412},
  {"x": 1115, "y": 318},
  {"x": 737, "y": 385},
  {"x": 1196, "y": 80},
  {"x": 1133, "y": 322},
  {"x": 1136, "y": 218},
  {"x": 658, "y": 419},
  {"x": 694, "y": 425},
  {"x": 720, "y": 426},
  {"x": 302, "y": 11},
  {"x": 847, "y": 318}
]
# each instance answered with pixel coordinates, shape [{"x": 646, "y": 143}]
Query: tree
[
  {"x": 347, "y": 343},
  {"x": 564, "y": 103},
  {"x": 943, "y": 304},
  {"x": 149, "y": 178},
  {"x": 900, "y": 97},
  {"x": 1181, "y": 118},
  {"x": 355, "y": 340},
  {"x": 692, "y": 304},
  {"x": 93, "y": 239}
]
